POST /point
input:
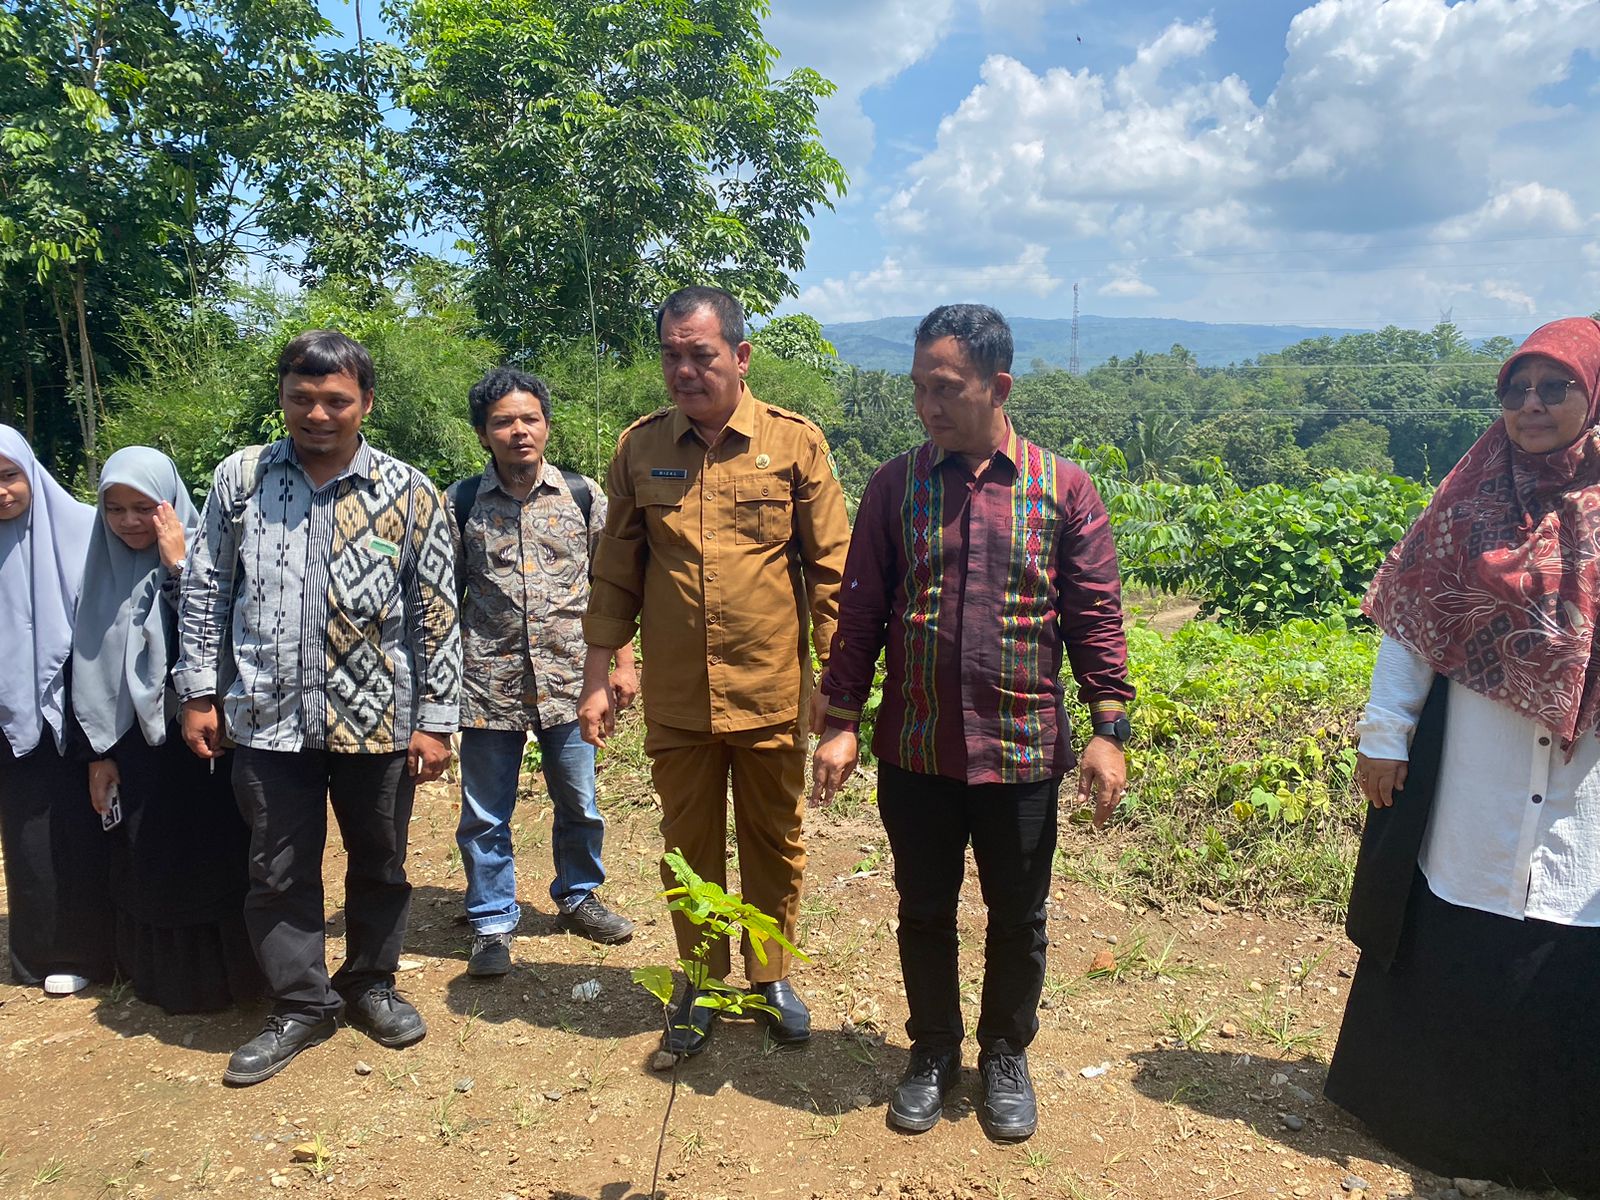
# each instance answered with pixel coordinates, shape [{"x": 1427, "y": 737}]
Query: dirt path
[{"x": 1169, "y": 1075}]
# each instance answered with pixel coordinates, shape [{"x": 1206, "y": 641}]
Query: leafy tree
[
  {"x": 1358, "y": 445},
  {"x": 798, "y": 338},
  {"x": 597, "y": 155}
]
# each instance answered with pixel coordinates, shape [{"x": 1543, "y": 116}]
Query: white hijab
[
  {"x": 41, "y": 567},
  {"x": 125, "y": 640}
]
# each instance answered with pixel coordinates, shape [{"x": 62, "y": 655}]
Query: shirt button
[
  {"x": 1544, "y": 741},
  {"x": 1538, "y": 799},
  {"x": 711, "y": 535},
  {"x": 765, "y": 492},
  {"x": 711, "y": 495},
  {"x": 714, "y": 660},
  {"x": 711, "y": 577}
]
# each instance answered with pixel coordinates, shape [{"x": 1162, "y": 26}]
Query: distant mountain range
[{"x": 885, "y": 344}]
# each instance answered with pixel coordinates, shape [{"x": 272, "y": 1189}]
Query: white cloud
[
  {"x": 1127, "y": 285},
  {"x": 897, "y": 287},
  {"x": 884, "y": 38},
  {"x": 1394, "y": 129}
]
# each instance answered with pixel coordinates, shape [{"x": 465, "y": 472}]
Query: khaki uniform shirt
[
  {"x": 721, "y": 555},
  {"x": 524, "y": 568}
]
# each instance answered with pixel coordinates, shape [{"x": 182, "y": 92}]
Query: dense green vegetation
[{"x": 1240, "y": 767}]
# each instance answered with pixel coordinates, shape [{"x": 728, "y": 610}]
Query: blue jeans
[{"x": 491, "y": 760}]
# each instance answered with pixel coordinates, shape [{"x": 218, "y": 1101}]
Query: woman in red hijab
[{"x": 1469, "y": 1043}]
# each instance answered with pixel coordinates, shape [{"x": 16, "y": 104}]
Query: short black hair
[
  {"x": 499, "y": 383},
  {"x": 726, "y": 306},
  {"x": 326, "y": 352},
  {"x": 981, "y": 330}
]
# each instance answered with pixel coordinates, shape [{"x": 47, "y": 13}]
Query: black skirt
[
  {"x": 1477, "y": 1052},
  {"x": 58, "y": 911},
  {"x": 179, "y": 872}
]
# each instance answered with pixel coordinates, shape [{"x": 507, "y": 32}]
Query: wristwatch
[{"x": 1119, "y": 729}]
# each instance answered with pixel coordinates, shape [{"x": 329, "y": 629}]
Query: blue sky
[{"x": 1347, "y": 162}]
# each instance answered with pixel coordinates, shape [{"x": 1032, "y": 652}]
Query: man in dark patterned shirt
[
  {"x": 525, "y": 531},
  {"x": 319, "y": 606},
  {"x": 976, "y": 560}
]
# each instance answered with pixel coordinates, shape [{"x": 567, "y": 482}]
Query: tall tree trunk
[{"x": 88, "y": 417}]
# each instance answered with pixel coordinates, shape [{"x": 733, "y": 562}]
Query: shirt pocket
[
  {"x": 763, "y": 509},
  {"x": 661, "y": 502}
]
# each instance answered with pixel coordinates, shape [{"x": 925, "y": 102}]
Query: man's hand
[
  {"x": 597, "y": 707},
  {"x": 428, "y": 755},
  {"x": 103, "y": 776},
  {"x": 1102, "y": 777},
  {"x": 169, "y": 536},
  {"x": 202, "y": 726},
  {"x": 832, "y": 764},
  {"x": 817, "y": 713},
  {"x": 1380, "y": 778},
  {"x": 624, "y": 684}
]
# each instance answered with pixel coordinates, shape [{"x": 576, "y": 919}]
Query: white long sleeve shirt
[{"x": 1515, "y": 829}]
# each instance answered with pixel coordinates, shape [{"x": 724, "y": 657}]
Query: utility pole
[{"x": 1073, "y": 366}]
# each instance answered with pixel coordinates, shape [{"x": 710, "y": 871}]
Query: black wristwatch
[{"x": 1118, "y": 729}]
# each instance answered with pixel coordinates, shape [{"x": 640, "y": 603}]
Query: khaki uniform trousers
[{"x": 691, "y": 770}]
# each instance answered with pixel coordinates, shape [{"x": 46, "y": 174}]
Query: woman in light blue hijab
[
  {"x": 56, "y": 855},
  {"x": 179, "y": 854}
]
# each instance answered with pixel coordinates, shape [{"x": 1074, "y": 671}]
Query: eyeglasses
[{"x": 1551, "y": 393}]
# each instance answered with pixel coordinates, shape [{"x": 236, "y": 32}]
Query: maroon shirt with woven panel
[{"x": 976, "y": 586}]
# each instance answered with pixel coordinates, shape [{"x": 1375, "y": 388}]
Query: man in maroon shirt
[{"x": 976, "y": 561}]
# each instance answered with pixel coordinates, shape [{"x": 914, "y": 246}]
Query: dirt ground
[{"x": 1189, "y": 1065}]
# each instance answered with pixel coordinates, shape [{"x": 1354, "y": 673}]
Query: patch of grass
[
  {"x": 691, "y": 1144},
  {"x": 1239, "y": 769},
  {"x": 1035, "y": 1160},
  {"x": 51, "y": 1171},
  {"x": 1280, "y": 1028},
  {"x": 202, "y": 1169},
  {"x": 529, "y": 1112},
  {"x": 1185, "y": 1025},
  {"x": 822, "y": 1127},
  {"x": 470, "y": 1026},
  {"x": 321, "y": 1156},
  {"x": 447, "y": 1123}
]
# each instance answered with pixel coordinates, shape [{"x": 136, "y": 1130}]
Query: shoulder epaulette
[{"x": 663, "y": 411}]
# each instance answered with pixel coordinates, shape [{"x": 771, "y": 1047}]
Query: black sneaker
[
  {"x": 269, "y": 1052},
  {"x": 1008, "y": 1109},
  {"x": 491, "y": 955},
  {"x": 918, "y": 1101},
  {"x": 385, "y": 1017},
  {"x": 595, "y": 921}
]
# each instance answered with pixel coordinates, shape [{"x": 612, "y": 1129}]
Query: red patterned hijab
[{"x": 1498, "y": 582}]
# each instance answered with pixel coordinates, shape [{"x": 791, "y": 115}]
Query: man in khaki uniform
[{"x": 725, "y": 538}]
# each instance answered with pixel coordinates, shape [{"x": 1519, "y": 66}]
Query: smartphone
[{"x": 112, "y": 817}]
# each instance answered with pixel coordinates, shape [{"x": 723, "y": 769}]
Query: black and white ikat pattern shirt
[{"x": 325, "y": 617}]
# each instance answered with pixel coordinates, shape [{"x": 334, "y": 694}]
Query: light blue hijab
[
  {"x": 125, "y": 639},
  {"x": 41, "y": 566}
]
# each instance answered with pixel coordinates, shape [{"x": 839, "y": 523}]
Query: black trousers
[
  {"x": 1012, "y": 829},
  {"x": 57, "y": 866},
  {"x": 284, "y": 797}
]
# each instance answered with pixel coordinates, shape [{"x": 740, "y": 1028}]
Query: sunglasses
[{"x": 1551, "y": 393}]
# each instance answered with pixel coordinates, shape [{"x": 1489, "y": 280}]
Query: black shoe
[
  {"x": 688, "y": 1025},
  {"x": 918, "y": 1101},
  {"x": 595, "y": 921},
  {"x": 491, "y": 955},
  {"x": 386, "y": 1018},
  {"x": 1008, "y": 1109},
  {"x": 792, "y": 1025},
  {"x": 269, "y": 1052}
]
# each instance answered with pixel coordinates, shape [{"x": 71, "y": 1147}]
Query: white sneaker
[{"x": 64, "y": 985}]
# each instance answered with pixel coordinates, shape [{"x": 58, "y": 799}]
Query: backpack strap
[
  {"x": 463, "y": 494},
  {"x": 251, "y": 469},
  {"x": 579, "y": 487}
]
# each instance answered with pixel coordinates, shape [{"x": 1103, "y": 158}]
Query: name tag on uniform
[
  {"x": 668, "y": 473},
  {"x": 379, "y": 546}
]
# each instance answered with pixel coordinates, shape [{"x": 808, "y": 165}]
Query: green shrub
[{"x": 1240, "y": 766}]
